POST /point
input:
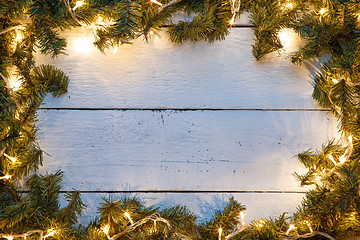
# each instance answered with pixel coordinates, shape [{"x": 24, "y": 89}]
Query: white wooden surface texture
[{"x": 224, "y": 150}]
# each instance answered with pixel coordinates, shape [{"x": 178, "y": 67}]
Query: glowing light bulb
[
  {"x": 350, "y": 138},
  {"x": 9, "y": 237},
  {"x": 291, "y": 227},
  {"x": 115, "y": 49},
  {"x": 242, "y": 217},
  {"x": 220, "y": 233},
  {"x": 83, "y": 45},
  {"x": 332, "y": 159},
  {"x": 342, "y": 159},
  {"x": 78, "y": 4},
  {"x": 51, "y": 233},
  {"x": 18, "y": 37},
  {"x": 317, "y": 178},
  {"x": 106, "y": 229},
  {"x": 13, "y": 159},
  {"x": 322, "y": 11},
  {"x": 99, "y": 20},
  {"x": 309, "y": 226},
  {"x": 5, "y": 177},
  {"x": 156, "y": 2},
  {"x": 128, "y": 216},
  {"x": 335, "y": 80},
  {"x": 289, "y": 6},
  {"x": 232, "y": 20},
  {"x": 151, "y": 32}
]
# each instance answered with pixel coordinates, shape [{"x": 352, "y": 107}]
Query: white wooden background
[{"x": 189, "y": 124}]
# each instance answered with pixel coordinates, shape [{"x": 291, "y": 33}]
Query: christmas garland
[{"x": 331, "y": 210}]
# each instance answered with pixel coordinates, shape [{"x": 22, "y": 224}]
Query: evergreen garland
[{"x": 331, "y": 210}]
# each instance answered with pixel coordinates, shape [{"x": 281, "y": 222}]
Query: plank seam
[
  {"x": 181, "y": 191},
  {"x": 184, "y": 109}
]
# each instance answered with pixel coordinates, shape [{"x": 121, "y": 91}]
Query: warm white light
[
  {"x": 106, "y": 229},
  {"x": 322, "y": 11},
  {"x": 288, "y": 39},
  {"x": 342, "y": 159},
  {"x": 291, "y": 227},
  {"x": 242, "y": 217},
  {"x": 52, "y": 233},
  {"x": 18, "y": 37},
  {"x": 335, "y": 80},
  {"x": 128, "y": 216},
  {"x": 220, "y": 233},
  {"x": 5, "y": 177},
  {"x": 156, "y": 2},
  {"x": 289, "y": 6},
  {"x": 317, "y": 178},
  {"x": 332, "y": 159},
  {"x": 309, "y": 226},
  {"x": 83, "y": 45},
  {"x": 13, "y": 159},
  {"x": 350, "y": 138},
  {"x": 9, "y": 237},
  {"x": 151, "y": 32},
  {"x": 232, "y": 20},
  {"x": 115, "y": 50},
  {"x": 15, "y": 83},
  {"x": 78, "y": 4}
]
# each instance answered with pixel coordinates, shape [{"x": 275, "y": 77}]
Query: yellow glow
[
  {"x": 5, "y": 177},
  {"x": 106, "y": 229},
  {"x": 9, "y": 237},
  {"x": 232, "y": 20},
  {"x": 128, "y": 216},
  {"x": 13, "y": 159},
  {"x": 15, "y": 83},
  {"x": 309, "y": 226},
  {"x": 350, "y": 138},
  {"x": 18, "y": 37},
  {"x": 156, "y": 2},
  {"x": 78, "y": 4},
  {"x": 322, "y": 11},
  {"x": 332, "y": 159},
  {"x": 242, "y": 217},
  {"x": 51, "y": 233},
  {"x": 291, "y": 227},
  {"x": 289, "y": 6},
  {"x": 83, "y": 45},
  {"x": 115, "y": 50},
  {"x": 335, "y": 80},
  {"x": 151, "y": 32},
  {"x": 289, "y": 39},
  {"x": 220, "y": 233},
  {"x": 342, "y": 159}
]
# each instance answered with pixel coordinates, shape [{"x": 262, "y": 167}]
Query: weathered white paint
[
  {"x": 142, "y": 150},
  {"x": 171, "y": 150},
  {"x": 161, "y": 74}
]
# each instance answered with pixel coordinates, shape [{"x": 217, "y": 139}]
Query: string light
[
  {"x": 106, "y": 229},
  {"x": 242, "y": 217},
  {"x": 5, "y": 177},
  {"x": 13, "y": 159},
  {"x": 51, "y": 233},
  {"x": 9, "y": 237},
  {"x": 309, "y": 226},
  {"x": 322, "y": 11},
  {"x": 18, "y": 37},
  {"x": 156, "y": 2},
  {"x": 115, "y": 49},
  {"x": 289, "y": 6},
  {"x": 342, "y": 159},
  {"x": 78, "y": 4},
  {"x": 232, "y": 20},
  {"x": 291, "y": 227},
  {"x": 335, "y": 80},
  {"x": 220, "y": 233},
  {"x": 128, "y": 216},
  {"x": 332, "y": 159}
]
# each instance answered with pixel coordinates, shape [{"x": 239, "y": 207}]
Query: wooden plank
[
  {"x": 204, "y": 205},
  {"x": 160, "y": 74},
  {"x": 171, "y": 150}
]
